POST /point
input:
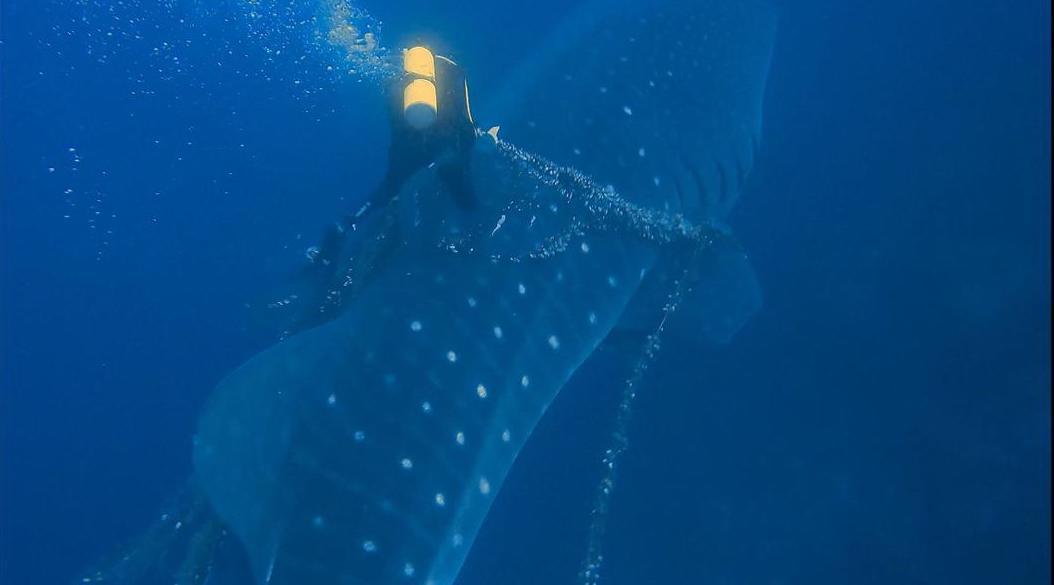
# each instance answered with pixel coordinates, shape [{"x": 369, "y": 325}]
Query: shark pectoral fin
[{"x": 721, "y": 294}]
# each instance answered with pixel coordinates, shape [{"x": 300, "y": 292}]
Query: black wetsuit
[{"x": 447, "y": 143}]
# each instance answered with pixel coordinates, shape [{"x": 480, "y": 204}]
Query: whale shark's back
[
  {"x": 663, "y": 100},
  {"x": 368, "y": 450}
]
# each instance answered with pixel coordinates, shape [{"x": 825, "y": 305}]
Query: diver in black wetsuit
[
  {"x": 445, "y": 141},
  {"x": 431, "y": 123},
  {"x": 444, "y": 138}
]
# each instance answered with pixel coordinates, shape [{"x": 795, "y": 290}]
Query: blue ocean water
[{"x": 884, "y": 419}]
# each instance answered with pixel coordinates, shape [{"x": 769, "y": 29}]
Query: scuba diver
[{"x": 431, "y": 124}]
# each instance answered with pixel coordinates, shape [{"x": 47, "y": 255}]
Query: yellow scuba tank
[{"x": 420, "y": 98}]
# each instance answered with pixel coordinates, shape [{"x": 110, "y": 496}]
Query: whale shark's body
[{"x": 367, "y": 450}]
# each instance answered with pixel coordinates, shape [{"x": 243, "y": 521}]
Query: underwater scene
[{"x": 584, "y": 292}]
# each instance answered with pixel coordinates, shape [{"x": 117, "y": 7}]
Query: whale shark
[{"x": 367, "y": 448}]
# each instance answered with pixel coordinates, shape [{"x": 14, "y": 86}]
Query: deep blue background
[{"x": 884, "y": 420}]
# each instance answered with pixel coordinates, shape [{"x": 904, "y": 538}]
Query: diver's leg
[
  {"x": 455, "y": 175},
  {"x": 404, "y": 159},
  {"x": 380, "y": 197},
  {"x": 334, "y": 241}
]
